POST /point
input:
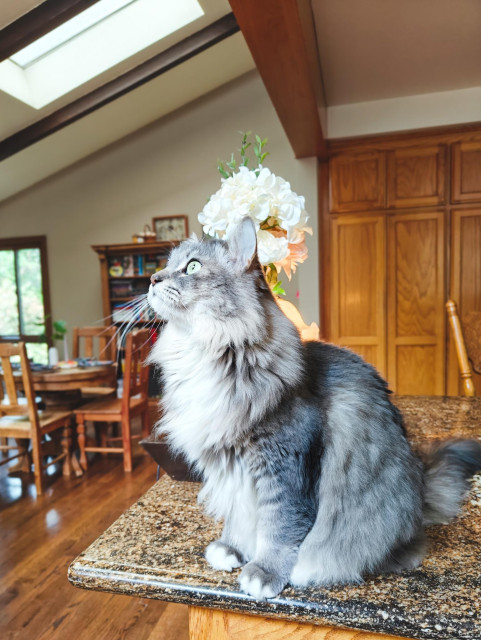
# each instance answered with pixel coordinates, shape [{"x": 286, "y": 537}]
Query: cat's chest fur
[{"x": 200, "y": 409}]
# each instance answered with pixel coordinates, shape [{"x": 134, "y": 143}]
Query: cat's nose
[{"x": 156, "y": 277}]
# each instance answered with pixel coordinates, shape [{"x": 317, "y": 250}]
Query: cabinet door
[
  {"x": 466, "y": 186},
  {"x": 416, "y": 315},
  {"x": 417, "y": 176},
  {"x": 358, "y": 182},
  {"x": 465, "y": 279},
  {"x": 358, "y": 286}
]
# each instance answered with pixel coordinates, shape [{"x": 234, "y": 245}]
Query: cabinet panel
[
  {"x": 358, "y": 286},
  {"x": 466, "y": 183},
  {"x": 414, "y": 370},
  {"x": 465, "y": 279},
  {"x": 416, "y": 303},
  {"x": 416, "y": 176},
  {"x": 358, "y": 182}
]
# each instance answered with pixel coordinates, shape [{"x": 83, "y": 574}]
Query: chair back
[
  {"x": 136, "y": 372},
  {"x": 94, "y": 342},
  {"x": 472, "y": 336},
  {"x": 13, "y": 407},
  {"x": 463, "y": 362}
]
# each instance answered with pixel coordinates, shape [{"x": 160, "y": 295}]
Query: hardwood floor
[{"x": 39, "y": 537}]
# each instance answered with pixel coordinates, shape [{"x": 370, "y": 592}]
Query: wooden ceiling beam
[
  {"x": 110, "y": 91},
  {"x": 37, "y": 22},
  {"x": 282, "y": 41}
]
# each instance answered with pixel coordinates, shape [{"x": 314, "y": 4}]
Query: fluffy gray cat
[{"x": 302, "y": 453}]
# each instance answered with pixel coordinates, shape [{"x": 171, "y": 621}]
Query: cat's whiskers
[{"x": 137, "y": 306}]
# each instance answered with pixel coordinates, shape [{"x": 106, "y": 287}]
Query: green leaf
[
  {"x": 278, "y": 290},
  {"x": 221, "y": 170},
  {"x": 59, "y": 329}
]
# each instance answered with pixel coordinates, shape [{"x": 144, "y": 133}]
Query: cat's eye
[{"x": 193, "y": 267}]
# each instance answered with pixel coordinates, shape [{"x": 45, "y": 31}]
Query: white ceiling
[
  {"x": 166, "y": 93},
  {"x": 377, "y": 49},
  {"x": 378, "y": 54},
  {"x": 387, "y": 65},
  {"x": 16, "y": 115},
  {"x": 136, "y": 109}
]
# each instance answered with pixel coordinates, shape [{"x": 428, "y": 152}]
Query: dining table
[
  {"x": 60, "y": 389},
  {"x": 156, "y": 550}
]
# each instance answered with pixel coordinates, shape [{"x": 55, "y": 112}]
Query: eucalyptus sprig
[{"x": 228, "y": 168}]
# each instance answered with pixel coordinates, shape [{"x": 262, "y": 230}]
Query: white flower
[
  {"x": 271, "y": 249},
  {"x": 278, "y": 213}
]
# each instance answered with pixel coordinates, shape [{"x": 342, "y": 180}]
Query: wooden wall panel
[
  {"x": 416, "y": 185},
  {"x": 466, "y": 175},
  {"x": 416, "y": 316},
  {"x": 358, "y": 182},
  {"x": 416, "y": 176},
  {"x": 465, "y": 279},
  {"x": 414, "y": 370},
  {"x": 358, "y": 286}
]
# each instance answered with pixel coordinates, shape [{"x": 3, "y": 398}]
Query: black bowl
[{"x": 174, "y": 466}]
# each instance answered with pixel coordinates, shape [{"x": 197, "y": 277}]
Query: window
[
  {"x": 91, "y": 43},
  {"x": 24, "y": 298}
]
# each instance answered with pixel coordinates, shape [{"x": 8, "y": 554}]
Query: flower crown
[{"x": 277, "y": 211}]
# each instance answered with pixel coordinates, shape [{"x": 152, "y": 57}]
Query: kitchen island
[{"x": 155, "y": 550}]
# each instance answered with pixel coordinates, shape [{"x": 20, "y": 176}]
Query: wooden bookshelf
[{"x": 125, "y": 271}]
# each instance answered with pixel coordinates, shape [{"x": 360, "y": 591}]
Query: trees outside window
[{"x": 24, "y": 295}]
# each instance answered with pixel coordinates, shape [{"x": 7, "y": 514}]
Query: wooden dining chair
[
  {"x": 22, "y": 420},
  {"x": 134, "y": 402},
  {"x": 467, "y": 343},
  {"x": 99, "y": 343}
]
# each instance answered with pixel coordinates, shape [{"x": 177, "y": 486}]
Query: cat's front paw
[
  {"x": 259, "y": 583},
  {"x": 223, "y": 557},
  {"x": 303, "y": 574}
]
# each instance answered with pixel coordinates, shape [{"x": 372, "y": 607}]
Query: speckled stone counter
[{"x": 155, "y": 549}]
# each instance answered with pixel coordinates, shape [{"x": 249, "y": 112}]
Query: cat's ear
[{"x": 243, "y": 243}]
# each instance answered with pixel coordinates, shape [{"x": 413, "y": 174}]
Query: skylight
[
  {"x": 68, "y": 30},
  {"x": 89, "y": 44}
]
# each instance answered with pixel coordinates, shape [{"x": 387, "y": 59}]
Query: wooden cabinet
[
  {"x": 466, "y": 176},
  {"x": 465, "y": 278},
  {"x": 125, "y": 271},
  {"x": 416, "y": 303},
  {"x": 358, "y": 289},
  {"x": 416, "y": 176},
  {"x": 358, "y": 182},
  {"x": 387, "y": 300},
  {"x": 405, "y": 235}
]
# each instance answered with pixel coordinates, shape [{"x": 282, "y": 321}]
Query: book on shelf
[
  {"x": 154, "y": 262},
  {"x": 128, "y": 265},
  {"x": 121, "y": 288},
  {"x": 139, "y": 265}
]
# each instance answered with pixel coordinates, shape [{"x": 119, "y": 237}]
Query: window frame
[{"x": 31, "y": 242}]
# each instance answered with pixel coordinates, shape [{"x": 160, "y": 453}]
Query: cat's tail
[{"x": 448, "y": 468}]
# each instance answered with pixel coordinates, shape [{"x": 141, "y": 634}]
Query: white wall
[{"x": 166, "y": 168}]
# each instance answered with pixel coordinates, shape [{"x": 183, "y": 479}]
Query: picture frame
[{"x": 170, "y": 228}]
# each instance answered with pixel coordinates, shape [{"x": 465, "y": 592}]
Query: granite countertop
[{"x": 155, "y": 549}]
